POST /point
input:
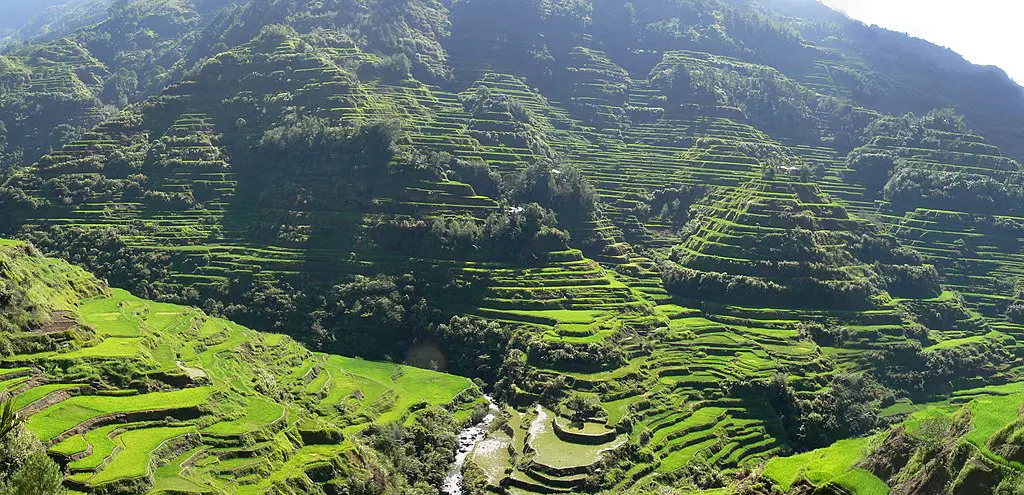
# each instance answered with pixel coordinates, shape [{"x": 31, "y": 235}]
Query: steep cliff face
[
  {"x": 940, "y": 459},
  {"x": 1008, "y": 442}
]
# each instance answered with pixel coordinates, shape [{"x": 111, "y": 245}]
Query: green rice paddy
[
  {"x": 679, "y": 353},
  {"x": 196, "y": 411},
  {"x": 826, "y": 465}
]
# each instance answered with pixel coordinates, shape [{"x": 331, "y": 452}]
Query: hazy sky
[{"x": 988, "y": 32}]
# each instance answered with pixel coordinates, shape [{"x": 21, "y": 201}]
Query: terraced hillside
[
  {"x": 67, "y": 68},
  {"x": 49, "y": 93},
  {"x": 963, "y": 443},
  {"x": 134, "y": 396},
  {"x": 210, "y": 206},
  {"x": 703, "y": 389},
  {"x": 680, "y": 242}
]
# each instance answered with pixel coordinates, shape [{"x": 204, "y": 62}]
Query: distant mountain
[
  {"x": 19, "y": 12},
  {"x": 49, "y": 19}
]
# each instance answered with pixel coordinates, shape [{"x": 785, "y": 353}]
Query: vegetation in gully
[{"x": 685, "y": 246}]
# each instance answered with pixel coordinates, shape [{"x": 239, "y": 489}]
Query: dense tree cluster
[
  {"x": 912, "y": 187},
  {"x": 1015, "y": 310},
  {"x": 557, "y": 186},
  {"x": 377, "y": 311},
  {"x": 15, "y": 311},
  {"x": 873, "y": 168},
  {"x": 522, "y": 234},
  {"x": 592, "y": 357},
  {"x": 105, "y": 253},
  {"x": 769, "y": 98},
  {"x": 480, "y": 348},
  {"x": 899, "y": 269},
  {"x": 924, "y": 373},
  {"x": 849, "y": 407},
  {"x": 807, "y": 292},
  {"x": 582, "y": 407},
  {"x": 25, "y": 467},
  {"x": 540, "y": 202},
  {"x": 673, "y": 204},
  {"x": 954, "y": 367},
  {"x": 908, "y": 185},
  {"x": 307, "y": 143},
  {"x": 476, "y": 173},
  {"x": 501, "y": 120},
  {"x": 419, "y": 454},
  {"x": 910, "y": 280}
]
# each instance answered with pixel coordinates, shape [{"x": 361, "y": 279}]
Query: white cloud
[{"x": 985, "y": 32}]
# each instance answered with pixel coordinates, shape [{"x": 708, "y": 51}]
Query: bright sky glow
[{"x": 987, "y": 32}]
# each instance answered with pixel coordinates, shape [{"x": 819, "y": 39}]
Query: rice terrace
[{"x": 519, "y": 247}]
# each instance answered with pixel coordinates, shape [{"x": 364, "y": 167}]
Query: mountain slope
[
  {"x": 136, "y": 396},
  {"x": 677, "y": 238}
]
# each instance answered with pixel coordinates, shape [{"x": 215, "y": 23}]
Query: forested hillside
[{"x": 749, "y": 246}]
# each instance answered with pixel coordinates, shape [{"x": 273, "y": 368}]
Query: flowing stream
[{"x": 468, "y": 438}]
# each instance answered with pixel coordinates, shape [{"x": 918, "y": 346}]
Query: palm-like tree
[{"x": 9, "y": 418}]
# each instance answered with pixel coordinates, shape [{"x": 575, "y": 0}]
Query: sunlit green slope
[{"x": 135, "y": 396}]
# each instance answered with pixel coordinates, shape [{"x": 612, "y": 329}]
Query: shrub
[{"x": 849, "y": 407}]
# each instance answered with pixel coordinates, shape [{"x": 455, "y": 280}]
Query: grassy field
[
  {"x": 136, "y": 449},
  {"x": 991, "y": 414},
  {"x": 258, "y": 413},
  {"x": 59, "y": 418},
  {"x": 827, "y": 465},
  {"x": 557, "y": 453},
  {"x": 990, "y": 410},
  {"x": 163, "y": 394}
]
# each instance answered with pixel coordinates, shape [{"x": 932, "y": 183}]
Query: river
[{"x": 468, "y": 438}]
